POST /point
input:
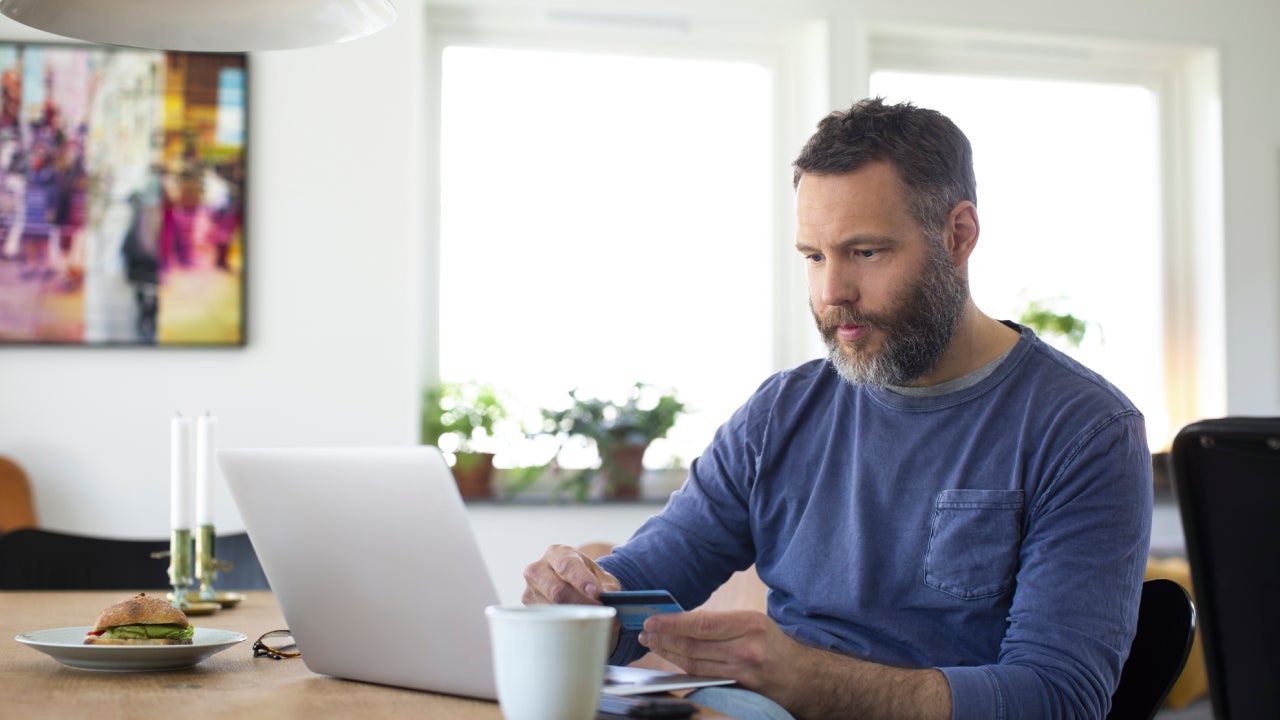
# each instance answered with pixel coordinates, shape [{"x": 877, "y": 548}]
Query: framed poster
[{"x": 121, "y": 196}]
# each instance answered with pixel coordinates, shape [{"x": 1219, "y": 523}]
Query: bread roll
[{"x": 139, "y": 610}]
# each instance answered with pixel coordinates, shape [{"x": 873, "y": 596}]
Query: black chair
[
  {"x": 36, "y": 559},
  {"x": 1226, "y": 475},
  {"x": 1166, "y": 629}
]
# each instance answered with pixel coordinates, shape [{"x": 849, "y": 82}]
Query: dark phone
[{"x": 643, "y": 706}]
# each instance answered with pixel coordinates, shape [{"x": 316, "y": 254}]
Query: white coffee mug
[{"x": 548, "y": 660}]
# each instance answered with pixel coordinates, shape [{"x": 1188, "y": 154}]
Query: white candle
[
  {"x": 180, "y": 473},
  {"x": 204, "y": 469}
]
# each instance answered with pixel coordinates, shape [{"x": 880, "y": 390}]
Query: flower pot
[
  {"x": 474, "y": 474},
  {"x": 623, "y": 470}
]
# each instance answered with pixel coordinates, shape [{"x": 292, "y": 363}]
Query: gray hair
[{"x": 931, "y": 156}]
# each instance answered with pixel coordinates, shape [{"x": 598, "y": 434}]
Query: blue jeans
[{"x": 739, "y": 703}]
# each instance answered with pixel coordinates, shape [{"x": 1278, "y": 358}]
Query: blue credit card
[{"x": 635, "y": 606}]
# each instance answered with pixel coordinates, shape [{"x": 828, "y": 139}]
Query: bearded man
[{"x": 952, "y": 517}]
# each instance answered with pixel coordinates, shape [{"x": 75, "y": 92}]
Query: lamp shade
[{"x": 205, "y": 25}]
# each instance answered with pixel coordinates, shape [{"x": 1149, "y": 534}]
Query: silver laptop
[
  {"x": 376, "y": 569},
  {"x": 373, "y": 562}
]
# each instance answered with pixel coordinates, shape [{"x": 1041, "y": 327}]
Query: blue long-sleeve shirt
[{"x": 998, "y": 533}]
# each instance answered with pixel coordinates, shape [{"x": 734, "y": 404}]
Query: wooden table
[{"x": 230, "y": 684}]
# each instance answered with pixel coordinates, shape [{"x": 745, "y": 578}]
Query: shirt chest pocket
[{"x": 973, "y": 542}]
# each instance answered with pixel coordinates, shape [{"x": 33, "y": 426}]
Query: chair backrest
[
  {"x": 1226, "y": 474},
  {"x": 1166, "y": 628},
  {"x": 16, "y": 508},
  {"x": 35, "y": 559}
]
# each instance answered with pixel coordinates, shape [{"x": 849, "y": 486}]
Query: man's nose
[{"x": 838, "y": 286}]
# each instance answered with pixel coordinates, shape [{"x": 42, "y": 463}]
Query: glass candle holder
[
  {"x": 180, "y": 576},
  {"x": 206, "y": 563}
]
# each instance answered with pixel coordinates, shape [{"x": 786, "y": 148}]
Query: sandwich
[{"x": 141, "y": 620}]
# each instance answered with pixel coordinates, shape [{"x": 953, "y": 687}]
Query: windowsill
[
  {"x": 531, "y": 499},
  {"x": 655, "y": 487}
]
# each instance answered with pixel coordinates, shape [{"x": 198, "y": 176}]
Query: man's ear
[{"x": 961, "y": 231}]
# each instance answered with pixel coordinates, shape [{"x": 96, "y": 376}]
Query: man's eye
[
  {"x": 865, "y": 253},
  {"x": 814, "y": 257}
]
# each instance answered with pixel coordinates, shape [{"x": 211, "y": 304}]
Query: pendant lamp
[{"x": 205, "y": 25}]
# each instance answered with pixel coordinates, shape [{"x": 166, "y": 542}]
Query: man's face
[{"x": 886, "y": 298}]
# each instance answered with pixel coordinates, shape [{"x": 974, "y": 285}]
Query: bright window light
[
  {"x": 1070, "y": 211},
  {"x": 606, "y": 220}
]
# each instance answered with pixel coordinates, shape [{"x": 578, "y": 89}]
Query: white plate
[{"x": 66, "y": 645}]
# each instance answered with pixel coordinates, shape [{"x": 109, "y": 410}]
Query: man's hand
[
  {"x": 811, "y": 683},
  {"x": 740, "y": 644},
  {"x": 563, "y": 575}
]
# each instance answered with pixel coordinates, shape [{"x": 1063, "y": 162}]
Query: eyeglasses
[{"x": 277, "y": 645}]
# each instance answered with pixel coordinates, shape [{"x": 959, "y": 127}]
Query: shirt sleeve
[
  {"x": 1075, "y": 605},
  {"x": 697, "y": 541}
]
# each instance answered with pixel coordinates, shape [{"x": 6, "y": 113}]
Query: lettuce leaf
[{"x": 144, "y": 632}]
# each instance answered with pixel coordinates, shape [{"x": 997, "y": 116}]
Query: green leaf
[
  {"x": 467, "y": 410},
  {"x": 1040, "y": 316}
]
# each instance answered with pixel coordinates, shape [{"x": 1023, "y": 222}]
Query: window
[
  {"x": 1069, "y": 201},
  {"x": 1080, "y": 152},
  {"x": 606, "y": 219},
  {"x": 615, "y": 206}
]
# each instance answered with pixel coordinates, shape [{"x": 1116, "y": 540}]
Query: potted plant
[
  {"x": 1040, "y": 316},
  {"x": 464, "y": 415},
  {"x": 621, "y": 432}
]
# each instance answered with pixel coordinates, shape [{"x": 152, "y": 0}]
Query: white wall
[
  {"x": 333, "y": 228},
  {"x": 512, "y": 536},
  {"x": 338, "y": 177}
]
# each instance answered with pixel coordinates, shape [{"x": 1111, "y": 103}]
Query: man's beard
[{"x": 916, "y": 332}]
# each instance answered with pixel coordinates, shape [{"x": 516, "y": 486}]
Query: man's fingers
[
  {"x": 705, "y": 625},
  {"x": 726, "y": 644},
  {"x": 577, "y": 570},
  {"x": 563, "y": 575}
]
